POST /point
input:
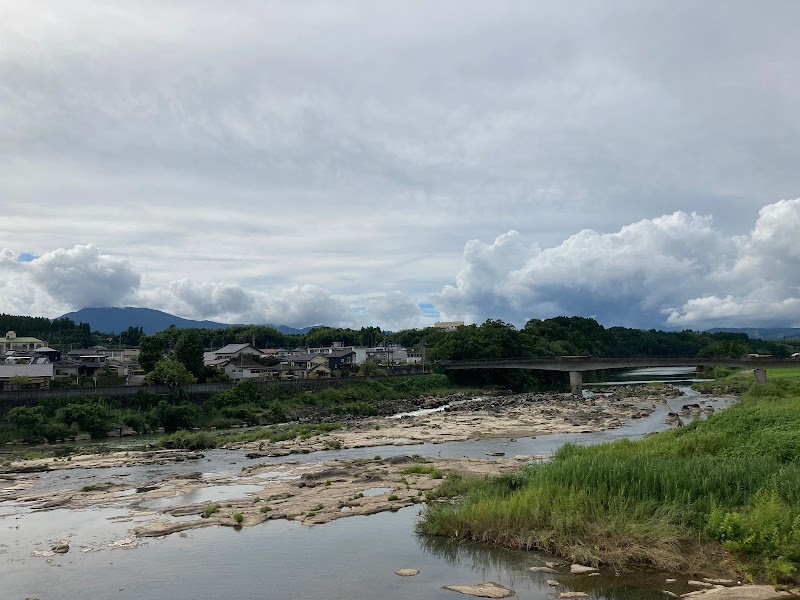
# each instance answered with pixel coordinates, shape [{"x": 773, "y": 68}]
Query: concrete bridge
[{"x": 576, "y": 365}]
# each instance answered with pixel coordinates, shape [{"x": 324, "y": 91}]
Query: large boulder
[{"x": 487, "y": 589}]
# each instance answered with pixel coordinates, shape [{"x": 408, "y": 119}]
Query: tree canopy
[{"x": 170, "y": 373}]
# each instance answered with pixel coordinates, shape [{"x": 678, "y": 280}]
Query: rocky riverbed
[
  {"x": 464, "y": 418},
  {"x": 319, "y": 492}
]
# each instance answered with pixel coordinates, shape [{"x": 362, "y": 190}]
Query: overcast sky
[{"x": 396, "y": 163}]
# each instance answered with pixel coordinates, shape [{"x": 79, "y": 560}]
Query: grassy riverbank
[
  {"x": 672, "y": 500},
  {"x": 55, "y": 419}
]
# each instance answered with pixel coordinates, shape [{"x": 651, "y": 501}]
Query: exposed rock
[
  {"x": 61, "y": 547},
  {"x": 704, "y": 584},
  {"x": 407, "y": 572},
  {"x": 743, "y": 592},
  {"x": 124, "y": 543},
  {"x": 487, "y": 589},
  {"x": 571, "y": 595},
  {"x": 543, "y": 570},
  {"x": 582, "y": 569},
  {"x": 552, "y": 583},
  {"x": 719, "y": 581},
  {"x": 670, "y": 594}
]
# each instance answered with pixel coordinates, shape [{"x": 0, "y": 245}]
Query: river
[{"x": 350, "y": 558}]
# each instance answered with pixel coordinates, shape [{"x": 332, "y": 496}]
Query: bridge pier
[
  {"x": 576, "y": 382},
  {"x": 760, "y": 375}
]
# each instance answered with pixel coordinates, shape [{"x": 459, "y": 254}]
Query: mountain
[
  {"x": 762, "y": 333},
  {"x": 114, "y": 319}
]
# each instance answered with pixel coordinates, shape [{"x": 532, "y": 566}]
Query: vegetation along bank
[
  {"x": 55, "y": 419},
  {"x": 723, "y": 494}
]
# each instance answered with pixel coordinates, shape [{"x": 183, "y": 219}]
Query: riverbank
[
  {"x": 718, "y": 492},
  {"x": 295, "y": 485}
]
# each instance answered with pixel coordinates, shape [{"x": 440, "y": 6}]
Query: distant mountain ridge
[
  {"x": 115, "y": 319},
  {"x": 761, "y": 333}
]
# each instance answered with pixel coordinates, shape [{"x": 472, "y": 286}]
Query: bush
[
  {"x": 94, "y": 418},
  {"x": 176, "y": 416}
]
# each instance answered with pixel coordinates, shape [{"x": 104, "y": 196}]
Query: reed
[{"x": 733, "y": 479}]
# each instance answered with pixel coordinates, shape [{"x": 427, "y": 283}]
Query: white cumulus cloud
[{"x": 674, "y": 270}]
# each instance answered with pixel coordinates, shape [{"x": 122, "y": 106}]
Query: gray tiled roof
[{"x": 26, "y": 370}]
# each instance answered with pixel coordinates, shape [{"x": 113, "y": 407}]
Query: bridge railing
[{"x": 746, "y": 360}]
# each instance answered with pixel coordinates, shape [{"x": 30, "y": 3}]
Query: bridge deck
[{"x": 594, "y": 364}]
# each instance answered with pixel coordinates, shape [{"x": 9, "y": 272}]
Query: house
[
  {"x": 240, "y": 370},
  {"x": 305, "y": 361},
  {"x": 393, "y": 354},
  {"x": 319, "y": 372},
  {"x": 51, "y": 354},
  {"x": 448, "y": 325},
  {"x": 12, "y": 343},
  {"x": 230, "y": 351},
  {"x": 35, "y": 375},
  {"x": 82, "y": 361},
  {"x": 122, "y": 355},
  {"x": 339, "y": 359},
  {"x": 285, "y": 371}
]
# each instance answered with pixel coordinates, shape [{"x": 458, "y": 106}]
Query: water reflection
[{"x": 513, "y": 567}]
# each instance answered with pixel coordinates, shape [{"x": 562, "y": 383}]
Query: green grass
[
  {"x": 422, "y": 470},
  {"x": 199, "y": 440},
  {"x": 733, "y": 479},
  {"x": 793, "y": 373}
]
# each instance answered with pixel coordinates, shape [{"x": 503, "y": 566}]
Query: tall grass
[
  {"x": 199, "y": 440},
  {"x": 732, "y": 479}
]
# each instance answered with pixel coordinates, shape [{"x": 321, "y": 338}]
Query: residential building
[
  {"x": 448, "y": 325},
  {"x": 12, "y": 343},
  {"x": 36, "y": 375},
  {"x": 240, "y": 370},
  {"x": 229, "y": 352}
]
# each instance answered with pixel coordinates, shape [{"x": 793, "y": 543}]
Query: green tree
[
  {"x": 371, "y": 367},
  {"x": 19, "y": 381},
  {"x": 132, "y": 336},
  {"x": 151, "y": 350},
  {"x": 26, "y": 418},
  {"x": 94, "y": 418},
  {"x": 189, "y": 352},
  {"x": 170, "y": 373}
]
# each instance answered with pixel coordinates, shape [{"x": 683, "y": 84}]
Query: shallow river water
[{"x": 350, "y": 558}]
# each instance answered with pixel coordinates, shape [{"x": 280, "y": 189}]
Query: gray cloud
[
  {"x": 84, "y": 276},
  {"x": 279, "y": 145}
]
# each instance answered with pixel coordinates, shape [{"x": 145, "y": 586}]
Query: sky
[{"x": 356, "y": 163}]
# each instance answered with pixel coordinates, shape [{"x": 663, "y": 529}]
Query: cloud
[
  {"x": 299, "y": 306},
  {"x": 761, "y": 286},
  {"x": 84, "y": 276},
  {"x": 392, "y": 311},
  {"x": 674, "y": 270}
]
